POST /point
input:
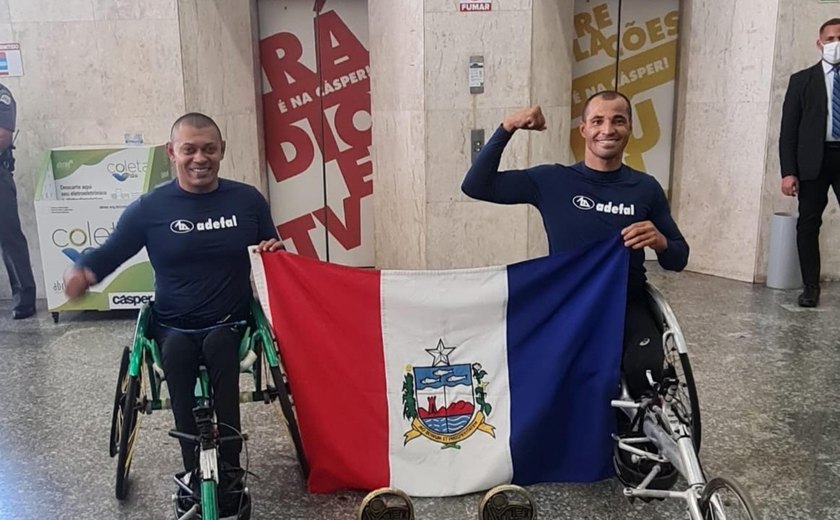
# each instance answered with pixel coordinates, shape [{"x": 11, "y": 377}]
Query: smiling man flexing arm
[
  {"x": 593, "y": 200},
  {"x": 196, "y": 230}
]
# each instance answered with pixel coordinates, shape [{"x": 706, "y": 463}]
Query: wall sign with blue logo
[{"x": 11, "y": 64}]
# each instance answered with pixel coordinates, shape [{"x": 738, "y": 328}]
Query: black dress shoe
[
  {"x": 22, "y": 314},
  {"x": 810, "y": 297}
]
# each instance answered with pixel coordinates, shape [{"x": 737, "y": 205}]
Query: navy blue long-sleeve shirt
[
  {"x": 197, "y": 245},
  {"x": 578, "y": 204}
]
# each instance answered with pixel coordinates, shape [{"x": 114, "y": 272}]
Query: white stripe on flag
[
  {"x": 465, "y": 311},
  {"x": 258, "y": 271}
]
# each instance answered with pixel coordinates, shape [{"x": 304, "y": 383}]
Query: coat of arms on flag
[
  {"x": 451, "y": 382},
  {"x": 445, "y": 403}
]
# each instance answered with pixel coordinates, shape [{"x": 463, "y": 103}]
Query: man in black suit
[{"x": 809, "y": 150}]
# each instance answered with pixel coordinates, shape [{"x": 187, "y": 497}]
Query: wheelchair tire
[
  {"x": 291, "y": 419},
  {"x": 721, "y": 494},
  {"x": 688, "y": 407},
  {"x": 116, "y": 417},
  {"x": 128, "y": 435}
]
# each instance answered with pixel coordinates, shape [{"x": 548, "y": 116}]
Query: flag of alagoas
[{"x": 450, "y": 382}]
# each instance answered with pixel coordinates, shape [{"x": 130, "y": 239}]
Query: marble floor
[{"x": 768, "y": 375}]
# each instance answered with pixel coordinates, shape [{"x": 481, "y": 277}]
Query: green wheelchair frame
[{"x": 139, "y": 392}]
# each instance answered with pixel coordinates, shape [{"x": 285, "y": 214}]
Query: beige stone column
[
  {"x": 721, "y": 141},
  {"x": 551, "y": 79}
]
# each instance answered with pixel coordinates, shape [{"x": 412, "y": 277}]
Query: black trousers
[
  {"x": 643, "y": 349},
  {"x": 813, "y": 198},
  {"x": 13, "y": 245},
  {"x": 182, "y": 354}
]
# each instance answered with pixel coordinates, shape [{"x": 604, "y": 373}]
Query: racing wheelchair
[
  {"x": 138, "y": 393},
  {"x": 663, "y": 442}
]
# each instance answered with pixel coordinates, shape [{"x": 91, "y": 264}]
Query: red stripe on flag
[{"x": 319, "y": 311}]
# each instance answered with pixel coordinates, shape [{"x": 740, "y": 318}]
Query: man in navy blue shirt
[
  {"x": 594, "y": 200},
  {"x": 196, "y": 230}
]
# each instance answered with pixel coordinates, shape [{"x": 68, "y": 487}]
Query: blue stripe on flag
[{"x": 565, "y": 322}]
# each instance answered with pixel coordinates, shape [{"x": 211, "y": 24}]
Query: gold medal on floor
[
  {"x": 386, "y": 504},
  {"x": 507, "y": 502}
]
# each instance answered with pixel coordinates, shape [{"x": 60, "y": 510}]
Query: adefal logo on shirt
[
  {"x": 181, "y": 226},
  {"x": 585, "y": 203},
  {"x": 129, "y": 300},
  {"x": 221, "y": 223}
]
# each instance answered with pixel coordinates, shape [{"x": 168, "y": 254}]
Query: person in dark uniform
[
  {"x": 809, "y": 151},
  {"x": 12, "y": 241}
]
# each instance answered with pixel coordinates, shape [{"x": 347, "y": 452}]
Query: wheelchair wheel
[
  {"x": 677, "y": 365},
  {"x": 289, "y": 414},
  {"x": 119, "y": 395},
  {"x": 685, "y": 402},
  {"x": 128, "y": 418},
  {"x": 281, "y": 391},
  {"x": 725, "y": 499}
]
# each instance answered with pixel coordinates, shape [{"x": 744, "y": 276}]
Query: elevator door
[{"x": 316, "y": 113}]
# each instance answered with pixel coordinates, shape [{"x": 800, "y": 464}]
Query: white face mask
[{"x": 831, "y": 52}]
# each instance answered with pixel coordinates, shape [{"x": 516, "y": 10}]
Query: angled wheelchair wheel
[
  {"x": 725, "y": 499},
  {"x": 129, "y": 411},
  {"x": 286, "y": 406},
  {"x": 119, "y": 395},
  {"x": 686, "y": 405},
  {"x": 678, "y": 366}
]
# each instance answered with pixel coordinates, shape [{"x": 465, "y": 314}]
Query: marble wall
[
  {"x": 398, "y": 118},
  {"x": 422, "y": 104},
  {"x": 93, "y": 71},
  {"x": 796, "y": 34},
  {"x": 721, "y": 146}
]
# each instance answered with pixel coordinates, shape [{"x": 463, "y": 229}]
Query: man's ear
[
  {"x": 170, "y": 151},
  {"x": 224, "y": 146}
]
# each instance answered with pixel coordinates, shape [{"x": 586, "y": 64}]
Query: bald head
[
  {"x": 194, "y": 120},
  {"x": 608, "y": 95}
]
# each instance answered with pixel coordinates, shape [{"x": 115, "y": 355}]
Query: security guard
[
  {"x": 12, "y": 242},
  {"x": 809, "y": 151}
]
